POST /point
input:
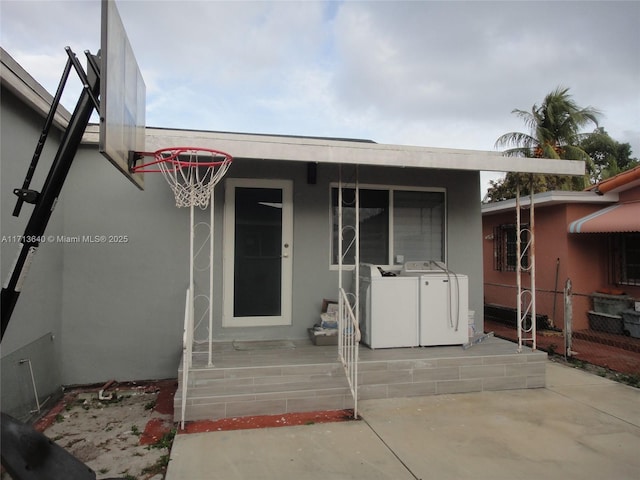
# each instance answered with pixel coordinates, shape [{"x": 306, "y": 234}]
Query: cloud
[
  {"x": 465, "y": 63},
  {"x": 428, "y": 73}
]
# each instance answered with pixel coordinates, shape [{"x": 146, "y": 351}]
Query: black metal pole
[
  {"x": 49, "y": 196},
  {"x": 43, "y": 136}
]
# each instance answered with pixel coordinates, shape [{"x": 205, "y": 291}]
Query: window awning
[{"x": 623, "y": 217}]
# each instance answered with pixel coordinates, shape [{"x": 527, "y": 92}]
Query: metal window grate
[
  {"x": 625, "y": 258},
  {"x": 505, "y": 253}
]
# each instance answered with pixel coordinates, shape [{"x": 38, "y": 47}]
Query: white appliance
[
  {"x": 444, "y": 303},
  {"x": 389, "y": 309}
]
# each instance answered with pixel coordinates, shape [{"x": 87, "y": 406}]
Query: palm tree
[
  {"x": 554, "y": 132},
  {"x": 554, "y": 129}
]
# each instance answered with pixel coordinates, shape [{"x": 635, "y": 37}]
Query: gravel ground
[{"x": 124, "y": 437}]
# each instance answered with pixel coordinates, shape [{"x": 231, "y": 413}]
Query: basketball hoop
[{"x": 191, "y": 172}]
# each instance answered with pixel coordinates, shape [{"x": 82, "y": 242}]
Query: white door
[{"x": 258, "y": 253}]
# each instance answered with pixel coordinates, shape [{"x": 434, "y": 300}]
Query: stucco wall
[
  {"x": 581, "y": 257},
  {"x": 114, "y": 309},
  {"x": 123, "y": 303},
  {"x": 36, "y": 317}
]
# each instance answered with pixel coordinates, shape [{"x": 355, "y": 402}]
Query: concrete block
[
  {"x": 264, "y": 407},
  {"x": 372, "y": 366},
  {"x": 202, "y": 412},
  {"x": 459, "y": 361},
  {"x": 386, "y": 377},
  {"x": 310, "y": 404},
  {"x": 504, "y": 383},
  {"x": 411, "y": 389},
  {"x": 482, "y": 371},
  {"x": 441, "y": 373},
  {"x": 373, "y": 392},
  {"x": 538, "y": 368},
  {"x": 252, "y": 372},
  {"x": 458, "y": 386},
  {"x": 504, "y": 359}
]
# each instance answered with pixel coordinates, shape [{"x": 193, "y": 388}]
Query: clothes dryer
[{"x": 389, "y": 309}]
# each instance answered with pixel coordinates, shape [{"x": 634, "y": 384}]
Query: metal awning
[{"x": 622, "y": 217}]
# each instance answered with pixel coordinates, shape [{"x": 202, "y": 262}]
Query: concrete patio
[
  {"x": 305, "y": 377},
  {"x": 579, "y": 426}
]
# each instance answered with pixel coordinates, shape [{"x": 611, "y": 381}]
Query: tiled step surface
[
  {"x": 434, "y": 376},
  {"x": 232, "y": 392},
  {"x": 273, "y": 389}
]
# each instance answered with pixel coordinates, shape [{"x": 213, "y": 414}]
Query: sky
[{"x": 436, "y": 74}]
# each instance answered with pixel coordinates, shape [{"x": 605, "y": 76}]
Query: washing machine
[
  {"x": 443, "y": 298},
  {"x": 389, "y": 308}
]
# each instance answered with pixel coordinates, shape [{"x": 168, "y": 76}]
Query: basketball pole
[
  {"x": 211, "y": 260},
  {"x": 46, "y": 200}
]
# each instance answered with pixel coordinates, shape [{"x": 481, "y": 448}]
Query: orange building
[{"x": 590, "y": 237}]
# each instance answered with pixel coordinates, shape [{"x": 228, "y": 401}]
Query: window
[
  {"x": 505, "y": 248},
  {"x": 393, "y": 222},
  {"x": 626, "y": 258}
]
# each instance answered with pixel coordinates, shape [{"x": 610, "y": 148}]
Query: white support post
[
  {"x": 526, "y": 296},
  {"x": 211, "y": 260},
  {"x": 532, "y": 265},
  {"x": 186, "y": 356},
  {"x": 192, "y": 233},
  {"x": 357, "y": 250},
  {"x": 340, "y": 227},
  {"x": 355, "y": 331},
  {"x": 518, "y": 267},
  {"x": 348, "y": 315},
  {"x": 340, "y": 309}
]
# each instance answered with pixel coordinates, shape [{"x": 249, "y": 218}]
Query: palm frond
[
  {"x": 518, "y": 152},
  {"x": 516, "y": 139},
  {"x": 553, "y": 126},
  {"x": 573, "y": 152}
]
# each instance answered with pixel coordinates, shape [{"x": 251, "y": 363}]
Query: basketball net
[{"x": 191, "y": 172}]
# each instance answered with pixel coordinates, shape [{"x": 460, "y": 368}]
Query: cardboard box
[{"x": 322, "y": 339}]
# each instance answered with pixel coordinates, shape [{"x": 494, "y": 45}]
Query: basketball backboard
[{"x": 122, "y": 95}]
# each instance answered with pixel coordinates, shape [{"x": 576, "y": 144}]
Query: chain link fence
[{"x": 584, "y": 328}]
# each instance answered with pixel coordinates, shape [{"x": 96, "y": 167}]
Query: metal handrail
[
  {"x": 348, "y": 344},
  {"x": 187, "y": 350}
]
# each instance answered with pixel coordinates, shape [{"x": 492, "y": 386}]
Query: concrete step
[
  {"x": 215, "y": 393},
  {"x": 310, "y": 379}
]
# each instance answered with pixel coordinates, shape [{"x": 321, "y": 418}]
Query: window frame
[
  {"x": 389, "y": 189},
  {"x": 619, "y": 257}
]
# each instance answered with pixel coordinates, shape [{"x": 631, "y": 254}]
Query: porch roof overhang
[
  {"x": 353, "y": 152},
  {"x": 622, "y": 217}
]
